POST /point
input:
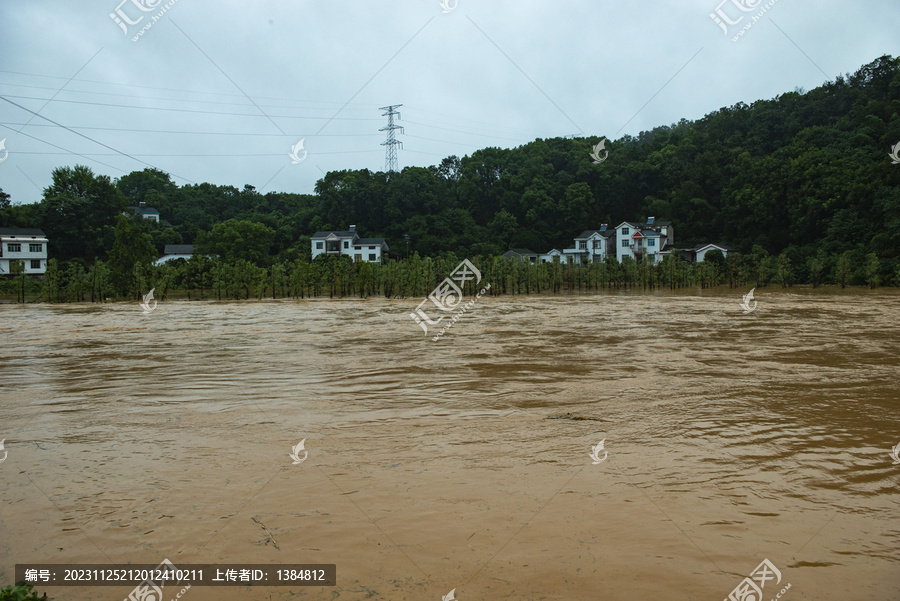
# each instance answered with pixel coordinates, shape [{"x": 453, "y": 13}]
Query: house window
[
  {"x": 596, "y": 244},
  {"x": 35, "y": 248},
  {"x": 346, "y": 244},
  {"x": 357, "y": 258},
  {"x": 35, "y": 263},
  {"x": 625, "y": 244},
  {"x": 318, "y": 246},
  {"x": 651, "y": 242},
  {"x": 14, "y": 248},
  {"x": 371, "y": 256},
  {"x": 624, "y": 231},
  {"x": 582, "y": 245},
  {"x": 371, "y": 248}
]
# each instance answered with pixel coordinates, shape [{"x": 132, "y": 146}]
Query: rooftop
[
  {"x": 337, "y": 233},
  {"x": 22, "y": 231},
  {"x": 364, "y": 241},
  {"x": 179, "y": 249}
]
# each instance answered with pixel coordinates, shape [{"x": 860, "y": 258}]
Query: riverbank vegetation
[{"x": 202, "y": 278}]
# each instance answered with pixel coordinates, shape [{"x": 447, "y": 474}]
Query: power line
[
  {"x": 390, "y": 151},
  {"x": 123, "y": 85},
  {"x": 169, "y": 99},
  {"x": 176, "y": 110},
  {"x": 87, "y": 137},
  {"x": 190, "y": 133}
]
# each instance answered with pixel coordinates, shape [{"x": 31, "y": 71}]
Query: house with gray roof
[
  {"x": 142, "y": 210},
  {"x": 590, "y": 246},
  {"x": 348, "y": 243},
  {"x": 699, "y": 252},
  {"x": 639, "y": 240},
  {"x": 521, "y": 253},
  {"x": 175, "y": 251}
]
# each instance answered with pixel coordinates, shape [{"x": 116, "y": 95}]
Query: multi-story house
[
  {"x": 340, "y": 243},
  {"x": 637, "y": 240},
  {"x": 27, "y": 246},
  {"x": 590, "y": 246}
]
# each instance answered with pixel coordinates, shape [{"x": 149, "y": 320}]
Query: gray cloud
[{"x": 220, "y": 91}]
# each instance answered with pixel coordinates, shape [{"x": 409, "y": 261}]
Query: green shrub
[{"x": 20, "y": 592}]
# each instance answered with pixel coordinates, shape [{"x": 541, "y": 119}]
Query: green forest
[{"x": 801, "y": 186}]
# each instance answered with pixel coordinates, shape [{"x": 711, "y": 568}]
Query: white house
[
  {"x": 590, "y": 246},
  {"x": 548, "y": 256},
  {"x": 339, "y": 243},
  {"x": 700, "y": 250},
  {"x": 25, "y": 245},
  {"x": 638, "y": 240},
  {"x": 175, "y": 251},
  {"x": 144, "y": 211},
  {"x": 650, "y": 240}
]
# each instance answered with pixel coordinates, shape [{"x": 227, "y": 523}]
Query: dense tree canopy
[{"x": 805, "y": 175}]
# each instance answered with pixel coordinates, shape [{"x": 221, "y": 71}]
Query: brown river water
[{"x": 729, "y": 438}]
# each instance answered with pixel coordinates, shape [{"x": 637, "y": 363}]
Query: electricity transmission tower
[{"x": 390, "y": 151}]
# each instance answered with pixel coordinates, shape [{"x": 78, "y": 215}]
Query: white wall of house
[
  {"x": 172, "y": 257},
  {"x": 624, "y": 232},
  {"x": 701, "y": 253},
  {"x": 320, "y": 245},
  {"x": 349, "y": 246},
  {"x": 548, "y": 256},
  {"x": 31, "y": 251},
  {"x": 367, "y": 252},
  {"x": 652, "y": 247},
  {"x": 627, "y": 244}
]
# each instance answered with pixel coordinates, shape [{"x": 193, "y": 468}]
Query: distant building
[
  {"x": 590, "y": 246},
  {"x": 651, "y": 240},
  {"x": 548, "y": 256},
  {"x": 521, "y": 253},
  {"x": 639, "y": 240},
  {"x": 699, "y": 251},
  {"x": 25, "y": 245},
  {"x": 175, "y": 251},
  {"x": 144, "y": 211},
  {"x": 340, "y": 243}
]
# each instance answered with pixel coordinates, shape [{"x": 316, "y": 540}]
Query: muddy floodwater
[{"x": 729, "y": 438}]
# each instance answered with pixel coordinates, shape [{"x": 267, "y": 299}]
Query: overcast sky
[{"x": 220, "y": 91}]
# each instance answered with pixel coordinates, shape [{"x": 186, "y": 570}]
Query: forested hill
[{"x": 807, "y": 172}]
